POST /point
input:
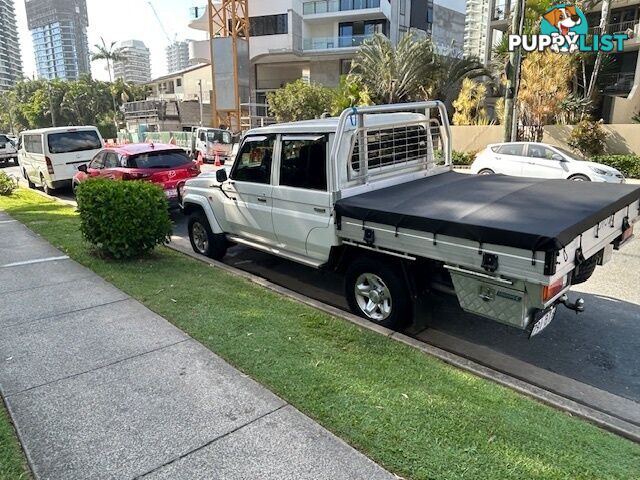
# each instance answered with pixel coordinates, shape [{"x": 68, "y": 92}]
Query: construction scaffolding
[{"x": 229, "y": 33}]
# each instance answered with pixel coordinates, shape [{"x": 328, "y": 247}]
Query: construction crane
[
  {"x": 228, "y": 19},
  {"x": 164, "y": 30}
]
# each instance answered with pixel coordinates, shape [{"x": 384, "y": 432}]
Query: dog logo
[
  {"x": 565, "y": 21},
  {"x": 565, "y": 29}
]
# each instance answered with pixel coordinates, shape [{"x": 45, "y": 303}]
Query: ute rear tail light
[
  {"x": 553, "y": 290},
  {"x": 49, "y": 165},
  {"x": 194, "y": 169},
  {"x": 135, "y": 176}
]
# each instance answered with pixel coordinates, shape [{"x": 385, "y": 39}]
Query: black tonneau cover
[{"x": 529, "y": 213}]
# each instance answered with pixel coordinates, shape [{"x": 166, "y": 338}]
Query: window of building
[
  {"x": 269, "y": 25},
  {"x": 178, "y": 82},
  {"x": 304, "y": 163},
  {"x": 353, "y": 34}
]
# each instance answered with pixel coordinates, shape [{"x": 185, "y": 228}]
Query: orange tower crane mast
[{"x": 228, "y": 18}]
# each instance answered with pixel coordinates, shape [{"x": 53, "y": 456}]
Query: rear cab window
[
  {"x": 73, "y": 141},
  {"x": 159, "y": 160}
]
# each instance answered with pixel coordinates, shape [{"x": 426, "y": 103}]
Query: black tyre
[
  {"x": 203, "y": 240},
  {"x": 45, "y": 187},
  {"x": 377, "y": 291},
  {"x": 486, "y": 171},
  {"x": 30, "y": 184},
  {"x": 580, "y": 178}
]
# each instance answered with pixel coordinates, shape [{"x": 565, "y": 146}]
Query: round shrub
[
  {"x": 123, "y": 219},
  {"x": 589, "y": 138},
  {"x": 7, "y": 185}
]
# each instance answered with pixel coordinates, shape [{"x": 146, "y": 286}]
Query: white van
[
  {"x": 7, "y": 150},
  {"x": 50, "y": 157}
]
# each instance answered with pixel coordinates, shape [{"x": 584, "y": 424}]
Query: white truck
[
  {"x": 373, "y": 194},
  {"x": 8, "y": 151}
]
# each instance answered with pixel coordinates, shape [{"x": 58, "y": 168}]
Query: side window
[
  {"x": 98, "y": 162},
  {"x": 111, "y": 160},
  {"x": 33, "y": 143},
  {"x": 304, "y": 164},
  {"x": 203, "y": 136},
  {"x": 538, "y": 151},
  {"x": 511, "y": 149},
  {"x": 4, "y": 139},
  {"x": 254, "y": 161}
]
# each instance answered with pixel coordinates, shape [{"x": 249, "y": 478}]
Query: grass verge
[
  {"x": 13, "y": 465},
  {"x": 413, "y": 414}
]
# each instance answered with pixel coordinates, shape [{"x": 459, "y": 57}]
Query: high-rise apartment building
[
  {"x": 136, "y": 65},
  {"x": 59, "y": 32},
  {"x": 10, "y": 57},
  {"x": 476, "y": 29},
  {"x": 314, "y": 40},
  {"x": 177, "y": 56}
]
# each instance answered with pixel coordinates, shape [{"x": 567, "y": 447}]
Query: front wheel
[
  {"x": 203, "y": 240},
  {"x": 486, "y": 171},
  {"x": 378, "y": 292},
  {"x": 580, "y": 178}
]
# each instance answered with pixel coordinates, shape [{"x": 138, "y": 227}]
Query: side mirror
[
  {"x": 83, "y": 168},
  {"x": 221, "y": 175}
]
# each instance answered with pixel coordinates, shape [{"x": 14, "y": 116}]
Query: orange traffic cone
[{"x": 218, "y": 163}]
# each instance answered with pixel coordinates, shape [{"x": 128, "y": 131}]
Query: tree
[
  {"x": 299, "y": 100},
  {"x": 349, "y": 93},
  {"x": 111, "y": 55},
  {"x": 469, "y": 107},
  {"x": 545, "y": 84},
  {"x": 411, "y": 71}
]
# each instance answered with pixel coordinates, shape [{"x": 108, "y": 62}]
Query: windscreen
[
  {"x": 164, "y": 159},
  {"x": 79, "y": 141},
  {"x": 220, "y": 136}
]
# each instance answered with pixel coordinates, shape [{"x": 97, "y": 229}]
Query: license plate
[
  {"x": 543, "y": 322},
  {"x": 171, "y": 193}
]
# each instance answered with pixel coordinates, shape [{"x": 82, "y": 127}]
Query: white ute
[{"x": 373, "y": 194}]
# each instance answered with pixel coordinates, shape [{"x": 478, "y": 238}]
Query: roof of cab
[
  {"x": 330, "y": 125},
  {"x": 60, "y": 129},
  {"x": 139, "y": 148}
]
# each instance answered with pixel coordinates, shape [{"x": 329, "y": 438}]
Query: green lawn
[
  {"x": 12, "y": 462},
  {"x": 413, "y": 414}
]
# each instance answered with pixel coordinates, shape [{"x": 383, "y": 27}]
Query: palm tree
[
  {"x": 110, "y": 54},
  {"x": 411, "y": 71}
]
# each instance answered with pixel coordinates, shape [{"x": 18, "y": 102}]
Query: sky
[{"x": 119, "y": 20}]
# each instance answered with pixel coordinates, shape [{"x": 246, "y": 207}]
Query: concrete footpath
[{"x": 99, "y": 386}]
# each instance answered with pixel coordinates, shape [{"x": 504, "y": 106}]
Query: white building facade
[
  {"x": 10, "y": 56},
  {"x": 476, "y": 29},
  {"x": 136, "y": 66},
  {"x": 177, "y": 56},
  {"x": 315, "y": 40}
]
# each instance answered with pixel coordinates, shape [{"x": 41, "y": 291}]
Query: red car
[{"x": 165, "y": 165}]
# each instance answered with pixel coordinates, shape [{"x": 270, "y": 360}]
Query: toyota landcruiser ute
[{"x": 373, "y": 194}]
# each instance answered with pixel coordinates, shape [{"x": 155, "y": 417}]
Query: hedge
[
  {"x": 629, "y": 165},
  {"x": 123, "y": 219}
]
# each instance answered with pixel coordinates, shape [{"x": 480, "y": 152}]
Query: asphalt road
[{"x": 598, "y": 348}]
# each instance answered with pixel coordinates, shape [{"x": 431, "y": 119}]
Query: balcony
[
  {"x": 320, "y": 10},
  {"x": 325, "y": 44}
]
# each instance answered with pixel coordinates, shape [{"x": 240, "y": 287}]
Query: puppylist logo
[{"x": 565, "y": 29}]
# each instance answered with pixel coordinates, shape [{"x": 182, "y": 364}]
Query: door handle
[
  {"x": 320, "y": 210},
  {"x": 262, "y": 199}
]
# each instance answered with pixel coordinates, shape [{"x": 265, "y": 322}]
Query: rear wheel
[
  {"x": 580, "y": 178},
  {"x": 30, "y": 184},
  {"x": 45, "y": 187},
  {"x": 203, "y": 240},
  {"x": 377, "y": 291},
  {"x": 486, "y": 171}
]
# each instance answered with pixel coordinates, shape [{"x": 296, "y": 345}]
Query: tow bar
[{"x": 577, "y": 306}]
